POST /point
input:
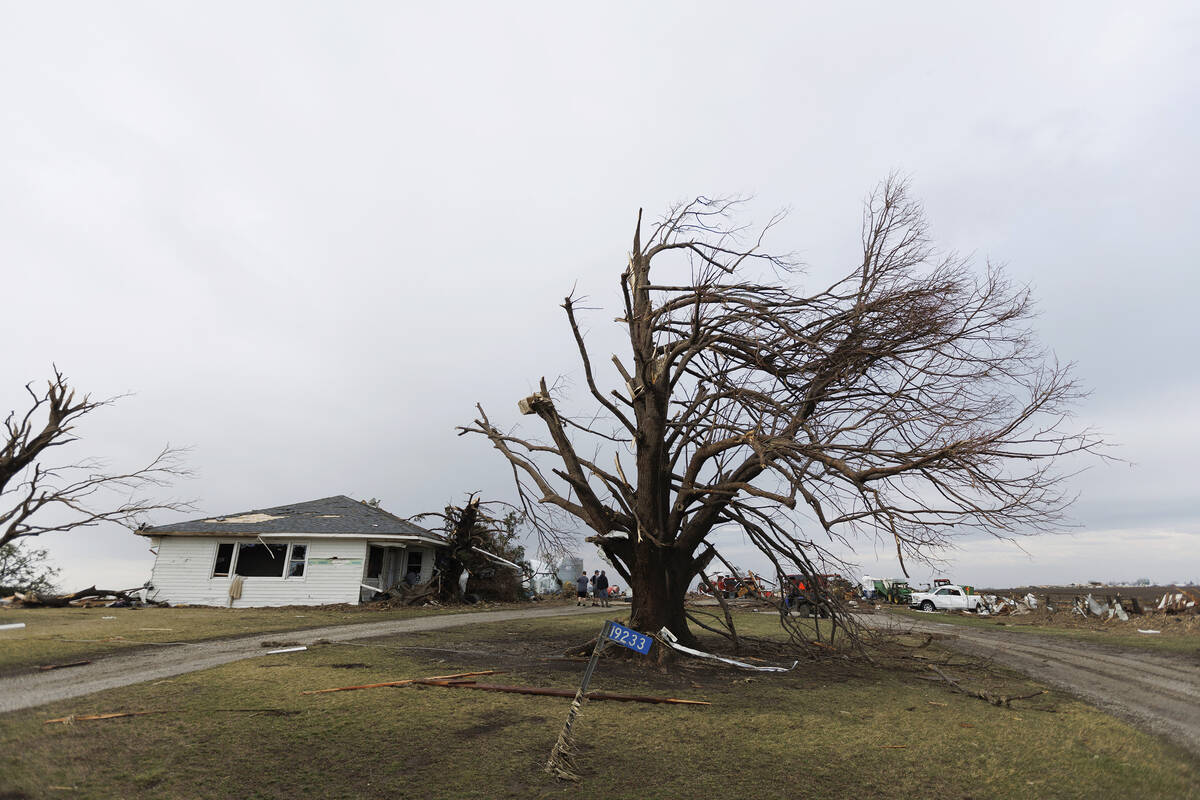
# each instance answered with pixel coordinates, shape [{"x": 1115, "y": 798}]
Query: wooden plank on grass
[
  {"x": 548, "y": 692},
  {"x": 404, "y": 682}
]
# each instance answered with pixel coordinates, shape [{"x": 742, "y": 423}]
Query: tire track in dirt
[
  {"x": 1159, "y": 692},
  {"x": 109, "y": 672}
]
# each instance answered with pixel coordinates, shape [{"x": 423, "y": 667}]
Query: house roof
[{"x": 329, "y": 515}]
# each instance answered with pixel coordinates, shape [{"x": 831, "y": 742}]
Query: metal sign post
[{"x": 561, "y": 763}]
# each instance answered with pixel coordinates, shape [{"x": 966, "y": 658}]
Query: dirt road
[
  {"x": 26, "y": 691},
  {"x": 1156, "y": 691}
]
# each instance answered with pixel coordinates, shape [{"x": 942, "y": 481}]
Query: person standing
[
  {"x": 602, "y": 588},
  {"x": 594, "y": 584},
  {"x": 581, "y": 588}
]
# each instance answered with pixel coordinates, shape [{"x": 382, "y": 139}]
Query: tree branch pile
[{"x": 90, "y": 595}]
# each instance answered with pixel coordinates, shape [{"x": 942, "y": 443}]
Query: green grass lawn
[
  {"x": 825, "y": 730},
  {"x": 1179, "y": 634},
  {"x": 58, "y": 635}
]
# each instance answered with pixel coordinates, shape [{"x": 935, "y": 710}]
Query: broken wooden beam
[
  {"x": 73, "y": 718},
  {"x": 404, "y": 682},
  {"x": 114, "y": 715},
  {"x": 548, "y": 692}
]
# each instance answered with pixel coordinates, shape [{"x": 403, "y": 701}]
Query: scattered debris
[
  {"x": 1106, "y": 608},
  {"x": 1177, "y": 602},
  {"x": 286, "y": 650},
  {"x": 1139, "y": 630},
  {"x": 670, "y": 640},
  {"x": 113, "y": 598},
  {"x": 404, "y": 682},
  {"x": 48, "y": 667},
  {"x": 12, "y": 626}
]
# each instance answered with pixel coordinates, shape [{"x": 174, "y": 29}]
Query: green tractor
[{"x": 894, "y": 590}]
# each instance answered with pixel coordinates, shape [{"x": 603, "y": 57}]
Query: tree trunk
[{"x": 659, "y": 579}]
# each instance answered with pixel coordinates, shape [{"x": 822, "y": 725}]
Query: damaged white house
[{"x": 332, "y": 550}]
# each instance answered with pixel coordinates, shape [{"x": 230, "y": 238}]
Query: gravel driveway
[
  {"x": 1156, "y": 691},
  {"x": 109, "y": 672}
]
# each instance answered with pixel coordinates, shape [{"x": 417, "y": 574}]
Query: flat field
[
  {"x": 1177, "y": 633},
  {"x": 828, "y": 729}
]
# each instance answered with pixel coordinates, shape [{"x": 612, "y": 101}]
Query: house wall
[{"x": 183, "y": 569}]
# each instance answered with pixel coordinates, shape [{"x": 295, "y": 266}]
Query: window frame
[
  {"x": 236, "y": 545},
  {"x": 212, "y": 572},
  {"x": 291, "y": 559},
  {"x": 382, "y": 559}
]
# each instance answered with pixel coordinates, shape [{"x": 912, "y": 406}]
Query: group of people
[{"x": 596, "y": 586}]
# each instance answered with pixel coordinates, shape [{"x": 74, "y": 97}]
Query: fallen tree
[{"x": 42, "y": 600}]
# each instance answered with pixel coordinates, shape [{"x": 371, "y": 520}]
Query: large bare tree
[
  {"x": 39, "y": 495},
  {"x": 908, "y": 402}
]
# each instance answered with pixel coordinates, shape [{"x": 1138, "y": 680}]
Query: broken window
[
  {"x": 374, "y": 561},
  {"x": 260, "y": 560},
  {"x": 414, "y": 562},
  {"x": 296, "y": 561},
  {"x": 224, "y": 560}
]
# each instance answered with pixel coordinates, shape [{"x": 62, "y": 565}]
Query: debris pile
[
  {"x": 84, "y": 598},
  {"x": 996, "y": 606},
  {"x": 1089, "y": 606},
  {"x": 1178, "y": 602}
]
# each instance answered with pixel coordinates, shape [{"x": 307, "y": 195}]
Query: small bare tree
[
  {"x": 38, "y": 497},
  {"x": 907, "y": 402}
]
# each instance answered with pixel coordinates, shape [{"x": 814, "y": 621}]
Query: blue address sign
[{"x": 627, "y": 637}]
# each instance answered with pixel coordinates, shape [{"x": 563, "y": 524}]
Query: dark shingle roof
[{"x": 337, "y": 514}]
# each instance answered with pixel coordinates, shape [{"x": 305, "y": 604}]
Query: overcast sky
[{"x": 309, "y": 237}]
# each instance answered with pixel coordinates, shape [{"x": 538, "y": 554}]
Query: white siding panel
[{"x": 183, "y": 569}]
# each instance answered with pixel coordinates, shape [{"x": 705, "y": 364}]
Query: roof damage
[{"x": 337, "y": 515}]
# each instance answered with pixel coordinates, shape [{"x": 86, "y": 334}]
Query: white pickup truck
[{"x": 945, "y": 598}]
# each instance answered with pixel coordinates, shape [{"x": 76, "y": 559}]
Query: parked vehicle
[
  {"x": 893, "y": 590},
  {"x": 946, "y": 598}
]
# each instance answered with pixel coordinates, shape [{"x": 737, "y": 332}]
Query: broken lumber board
[
  {"x": 547, "y": 692},
  {"x": 276, "y": 712},
  {"x": 48, "y": 667},
  {"x": 404, "y": 682},
  {"x": 114, "y": 715}
]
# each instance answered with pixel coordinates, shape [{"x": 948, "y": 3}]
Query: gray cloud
[{"x": 311, "y": 237}]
